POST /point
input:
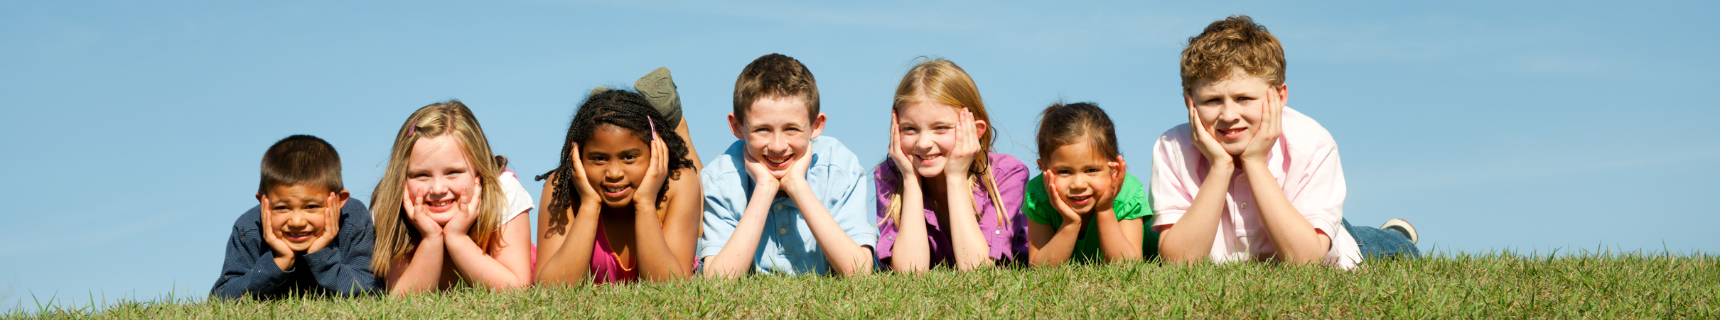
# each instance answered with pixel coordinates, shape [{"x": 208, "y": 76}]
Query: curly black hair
[{"x": 625, "y": 109}]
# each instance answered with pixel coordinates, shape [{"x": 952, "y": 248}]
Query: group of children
[{"x": 1247, "y": 179}]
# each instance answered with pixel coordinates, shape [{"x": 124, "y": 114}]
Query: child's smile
[
  {"x": 777, "y": 131},
  {"x": 437, "y": 172},
  {"x": 297, "y": 213},
  {"x": 1081, "y": 172},
  {"x": 1231, "y": 106}
]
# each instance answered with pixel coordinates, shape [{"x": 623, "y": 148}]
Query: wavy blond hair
[
  {"x": 395, "y": 236},
  {"x": 943, "y": 82}
]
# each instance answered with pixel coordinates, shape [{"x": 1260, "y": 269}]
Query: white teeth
[
  {"x": 608, "y": 189},
  {"x": 441, "y": 203}
]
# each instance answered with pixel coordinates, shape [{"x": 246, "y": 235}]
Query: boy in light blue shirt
[{"x": 783, "y": 199}]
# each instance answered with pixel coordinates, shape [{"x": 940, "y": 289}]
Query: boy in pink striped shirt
[{"x": 1254, "y": 180}]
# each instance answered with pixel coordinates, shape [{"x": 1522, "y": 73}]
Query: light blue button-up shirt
[{"x": 787, "y": 245}]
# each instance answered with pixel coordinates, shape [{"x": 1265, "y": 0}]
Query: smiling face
[
  {"x": 438, "y": 173},
  {"x": 1081, "y": 171},
  {"x": 777, "y": 130},
  {"x": 1231, "y": 107},
  {"x": 928, "y": 133},
  {"x": 297, "y": 213},
  {"x": 615, "y": 161}
]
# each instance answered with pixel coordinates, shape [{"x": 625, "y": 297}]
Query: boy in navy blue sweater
[{"x": 296, "y": 241}]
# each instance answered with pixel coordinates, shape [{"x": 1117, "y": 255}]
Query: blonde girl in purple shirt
[{"x": 962, "y": 204}]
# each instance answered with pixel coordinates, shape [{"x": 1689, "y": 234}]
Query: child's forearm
[
  {"x": 1056, "y": 250},
  {"x": 1292, "y": 236},
  {"x": 476, "y": 262},
  {"x": 570, "y": 260},
  {"x": 971, "y": 250},
  {"x": 420, "y": 273},
  {"x": 1190, "y": 239},
  {"x": 846, "y": 257},
  {"x": 1114, "y": 237},
  {"x": 656, "y": 263},
  {"x": 736, "y": 257},
  {"x": 911, "y": 252}
]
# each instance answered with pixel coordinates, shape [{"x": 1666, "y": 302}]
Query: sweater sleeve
[
  {"x": 344, "y": 266},
  {"x": 250, "y": 266}
]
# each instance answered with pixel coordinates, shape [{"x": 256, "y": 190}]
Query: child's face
[
  {"x": 615, "y": 161},
  {"x": 928, "y": 130},
  {"x": 297, "y": 213},
  {"x": 1231, "y": 107},
  {"x": 777, "y": 130},
  {"x": 438, "y": 173},
  {"x": 1081, "y": 171}
]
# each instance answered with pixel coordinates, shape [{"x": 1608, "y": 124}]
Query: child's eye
[{"x": 629, "y": 157}]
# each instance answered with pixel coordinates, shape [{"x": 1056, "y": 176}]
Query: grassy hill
[{"x": 1447, "y": 286}]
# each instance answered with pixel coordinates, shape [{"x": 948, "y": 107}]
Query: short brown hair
[
  {"x": 300, "y": 160},
  {"x": 775, "y": 76},
  {"x": 1225, "y": 45}
]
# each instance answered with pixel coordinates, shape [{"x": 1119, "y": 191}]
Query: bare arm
[
  {"x": 1119, "y": 240},
  {"x": 504, "y": 265},
  {"x": 971, "y": 250},
  {"x": 1190, "y": 239},
  {"x": 1294, "y": 238},
  {"x": 1050, "y": 246},
  {"x": 736, "y": 258},
  {"x": 420, "y": 271},
  {"x": 564, "y": 254},
  {"x": 658, "y": 259},
  {"x": 912, "y": 251},
  {"x": 846, "y": 257}
]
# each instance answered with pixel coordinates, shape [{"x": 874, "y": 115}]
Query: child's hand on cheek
[
  {"x": 761, "y": 175},
  {"x": 967, "y": 147},
  {"x": 1119, "y": 172},
  {"x": 588, "y": 197},
  {"x": 795, "y": 180},
  {"x": 904, "y": 167},
  {"x": 1204, "y": 140},
  {"x": 331, "y": 223},
  {"x": 466, "y": 213},
  {"x": 655, "y": 176},
  {"x": 419, "y": 215},
  {"x": 1059, "y": 202},
  {"x": 1268, "y": 130},
  {"x": 283, "y": 253}
]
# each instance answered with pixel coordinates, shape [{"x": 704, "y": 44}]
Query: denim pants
[{"x": 1379, "y": 243}]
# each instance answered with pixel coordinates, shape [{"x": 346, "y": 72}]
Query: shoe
[
  {"x": 1401, "y": 226},
  {"x": 659, "y": 88}
]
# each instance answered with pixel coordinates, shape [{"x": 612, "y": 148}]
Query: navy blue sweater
[{"x": 341, "y": 268}]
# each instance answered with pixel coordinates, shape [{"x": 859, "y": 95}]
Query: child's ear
[
  {"x": 1283, "y": 94},
  {"x": 344, "y": 195},
  {"x": 817, "y": 126},
  {"x": 735, "y": 127},
  {"x": 979, "y": 127},
  {"x": 259, "y": 197},
  {"x": 1041, "y": 163}
]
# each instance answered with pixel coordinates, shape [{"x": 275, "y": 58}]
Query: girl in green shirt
[{"x": 1085, "y": 205}]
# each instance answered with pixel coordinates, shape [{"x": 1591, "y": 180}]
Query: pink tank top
[{"x": 605, "y": 267}]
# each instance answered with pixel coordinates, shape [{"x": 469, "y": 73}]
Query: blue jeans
[{"x": 1379, "y": 243}]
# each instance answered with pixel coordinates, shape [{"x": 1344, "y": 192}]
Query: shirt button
[
  {"x": 782, "y": 231},
  {"x": 997, "y": 232},
  {"x": 779, "y": 207},
  {"x": 1245, "y": 205}
]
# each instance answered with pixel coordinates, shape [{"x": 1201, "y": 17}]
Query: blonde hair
[
  {"x": 943, "y": 82},
  {"x": 395, "y": 236}
]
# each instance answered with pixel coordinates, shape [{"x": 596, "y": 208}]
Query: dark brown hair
[
  {"x": 301, "y": 159},
  {"x": 775, "y": 76},
  {"x": 1063, "y": 124},
  {"x": 1229, "y": 44},
  {"x": 627, "y": 110}
]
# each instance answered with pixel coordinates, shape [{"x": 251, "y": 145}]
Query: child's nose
[
  {"x": 778, "y": 145},
  {"x": 925, "y": 143}
]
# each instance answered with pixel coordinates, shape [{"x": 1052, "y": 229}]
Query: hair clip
[{"x": 411, "y": 130}]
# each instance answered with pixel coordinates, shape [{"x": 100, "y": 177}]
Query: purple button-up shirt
[{"x": 1007, "y": 239}]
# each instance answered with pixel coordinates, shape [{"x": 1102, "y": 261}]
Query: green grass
[{"x": 1495, "y": 285}]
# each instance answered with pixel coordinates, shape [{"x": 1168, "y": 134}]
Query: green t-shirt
[{"x": 1131, "y": 203}]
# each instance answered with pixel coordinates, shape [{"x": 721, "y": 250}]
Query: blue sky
[{"x": 135, "y": 129}]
